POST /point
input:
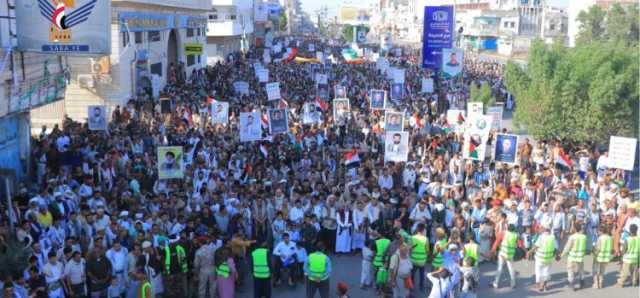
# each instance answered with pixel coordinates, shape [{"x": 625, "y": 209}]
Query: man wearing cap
[
  {"x": 576, "y": 248},
  {"x": 507, "y": 242},
  {"x": 317, "y": 268},
  {"x": 603, "y": 253},
  {"x": 544, "y": 249}
]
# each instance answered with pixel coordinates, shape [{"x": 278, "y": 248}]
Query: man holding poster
[
  {"x": 506, "y": 148},
  {"x": 278, "y": 122}
]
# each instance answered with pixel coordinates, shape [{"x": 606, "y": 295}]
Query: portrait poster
[
  {"x": 170, "y": 162},
  {"x": 506, "y": 148},
  {"x": 393, "y": 121},
  {"x": 495, "y": 113},
  {"x": 97, "y": 117},
  {"x": 398, "y": 75},
  {"x": 341, "y": 110},
  {"x": 322, "y": 91},
  {"x": 263, "y": 75},
  {"x": 312, "y": 113},
  {"x": 250, "y": 127},
  {"x": 377, "y": 99},
  {"x": 278, "y": 122},
  {"x": 452, "y": 62},
  {"x": 219, "y": 112},
  {"x": 397, "y": 92},
  {"x": 321, "y": 78},
  {"x": 475, "y": 108},
  {"x": 273, "y": 91},
  {"x": 340, "y": 91},
  {"x": 396, "y": 146}
]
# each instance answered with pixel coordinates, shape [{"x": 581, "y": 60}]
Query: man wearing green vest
[
  {"x": 317, "y": 268},
  {"x": 507, "y": 243},
  {"x": 145, "y": 286},
  {"x": 439, "y": 247},
  {"x": 576, "y": 248},
  {"x": 630, "y": 257},
  {"x": 544, "y": 249},
  {"x": 602, "y": 255},
  {"x": 470, "y": 250},
  {"x": 175, "y": 267},
  {"x": 379, "y": 261},
  {"x": 261, "y": 272},
  {"x": 419, "y": 252}
]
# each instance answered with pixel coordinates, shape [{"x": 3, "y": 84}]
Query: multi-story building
[
  {"x": 229, "y": 27},
  {"x": 148, "y": 37},
  {"x": 575, "y": 7}
]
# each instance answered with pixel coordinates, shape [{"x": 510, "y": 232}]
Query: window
[
  {"x": 153, "y": 36},
  {"x": 156, "y": 69},
  {"x": 199, "y": 59},
  {"x": 506, "y": 25},
  {"x": 230, "y": 17},
  {"x": 125, "y": 39},
  {"x": 139, "y": 37},
  {"x": 552, "y": 26},
  {"x": 198, "y": 32},
  {"x": 191, "y": 60},
  {"x": 189, "y": 32},
  {"x": 214, "y": 14}
]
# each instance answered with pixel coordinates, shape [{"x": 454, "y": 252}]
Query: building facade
[{"x": 229, "y": 27}]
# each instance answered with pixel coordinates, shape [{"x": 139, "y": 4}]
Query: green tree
[
  {"x": 619, "y": 23},
  {"x": 282, "y": 20},
  {"x": 579, "y": 94},
  {"x": 483, "y": 94},
  {"x": 591, "y": 24},
  {"x": 347, "y": 32}
]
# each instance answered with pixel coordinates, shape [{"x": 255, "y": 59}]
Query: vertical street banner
[
  {"x": 170, "y": 164},
  {"x": 273, "y": 91},
  {"x": 80, "y": 27},
  {"x": 506, "y": 148},
  {"x": 97, "y": 117},
  {"x": 622, "y": 153},
  {"x": 452, "y": 62},
  {"x": 437, "y": 34}
]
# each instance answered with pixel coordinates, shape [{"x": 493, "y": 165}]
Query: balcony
[{"x": 224, "y": 28}]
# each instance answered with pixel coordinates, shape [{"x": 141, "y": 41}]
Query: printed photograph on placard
[
  {"x": 506, "y": 148},
  {"x": 341, "y": 110},
  {"x": 340, "y": 91},
  {"x": 322, "y": 91},
  {"x": 250, "y": 127},
  {"x": 278, "y": 122},
  {"x": 452, "y": 62},
  {"x": 97, "y": 117},
  {"x": 396, "y": 146},
  {"x": 273, "y": 91},
  {"x": 397, "y": 91},
  {"x": 312, "y": 113},
  {"x": 170, "y": 163},
  {"x": 393, "y": 121},
  {"x": 377, "y": 99},
  {"x": 219, "y": 112}
]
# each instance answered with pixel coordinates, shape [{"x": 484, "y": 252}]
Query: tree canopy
[
  {"x": 586, "y": 93},
  {"x": 483, "y": 94}
]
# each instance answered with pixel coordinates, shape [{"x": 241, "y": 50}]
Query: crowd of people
[{"x": 278, "y": 211}]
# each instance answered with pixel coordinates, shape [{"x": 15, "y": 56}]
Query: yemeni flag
[
  {"x": 563, "y": 160},
  {"x": 474, "y": 146},
  {"x": 323, "y": 105},
  {"x": 352, "y": 159}
]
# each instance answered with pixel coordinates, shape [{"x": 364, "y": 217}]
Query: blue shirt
[{"x": 327, "y": 271}]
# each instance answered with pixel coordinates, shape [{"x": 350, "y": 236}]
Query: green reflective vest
[
  {"x": 143, "y": 290},
  {"x": 419, "y": 252},
  {"x": 508, "y": 245},
  {"x": 317, "y": 266},
  {"x": 632, "y": 254},
  {"x": 605, "y": 251},
  {"x": 182, "y": 259},
  {"x": 437, "y": 260},
  {"x": 471, "y": 251},
  {"x": 579, "y": 249},
  {"x": 381, "y": 246},
  {"x": 260, "y": 265},
  {"x": 223, "y": 270},
  {"x": 544, "y": 253}
]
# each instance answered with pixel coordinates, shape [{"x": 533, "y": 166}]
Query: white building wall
[{"x": 575, "y": 7}]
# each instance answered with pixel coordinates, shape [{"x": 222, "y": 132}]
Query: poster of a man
[
  {"x": 452, "y": 61},
  {"x": 377, "y": 100},
  {"x": 506, "y": 148},
  {"x": 340, "y": 92},
  {"x": 396, "y": 92},
  {"x": 170, "y": 165},
  {"x": 396, "y": 146},
  {"x": 97, "y": 118},
  {"x": 312, "y": 113},
  {"x": 341, "y": 110},
  {"x": 219, "y": 112},
  {"x": 278, "y": 121},
  {"x": 393, "y": 121},
  {"x": 250, "y": 127}
]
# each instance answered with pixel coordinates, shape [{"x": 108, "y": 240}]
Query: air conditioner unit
[{"x": 86, "y": 81}]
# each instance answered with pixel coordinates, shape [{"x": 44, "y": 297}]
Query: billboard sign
[
  {"x": 64, "y": 26},
  {"x": 438, "y": 34}
]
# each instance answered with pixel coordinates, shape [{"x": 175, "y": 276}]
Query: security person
[
  {"x": 145, "y": 286},
  {"x": 175, "y": 268},
  {"x": 261, "y": 272},
  {"x": 419, "y": 252},
  {"x": 507, "y": 251},
  {"x": 602, "y": 255},
  {"x": 630, "y": 257},
  {"x": 379, "y": 261},
  {"x": 471, "y": 250},
  {"x": 544, "y": 250},
  {"x": 439, "y": 247},
  {"x": 576, "y": 248},
  {"x": 317, "y": 268}
]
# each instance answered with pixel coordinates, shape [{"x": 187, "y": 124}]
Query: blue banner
[{"x": 438, "y": 34}]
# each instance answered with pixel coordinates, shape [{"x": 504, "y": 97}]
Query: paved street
[{"x": 347, "y": 269}]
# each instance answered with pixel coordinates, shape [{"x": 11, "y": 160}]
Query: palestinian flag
[
  {"x": 474, "y": 146},
  {"x": 352, "y": 159}
]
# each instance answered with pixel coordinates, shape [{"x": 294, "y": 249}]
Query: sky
[{"x": 310, "y": 6}]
